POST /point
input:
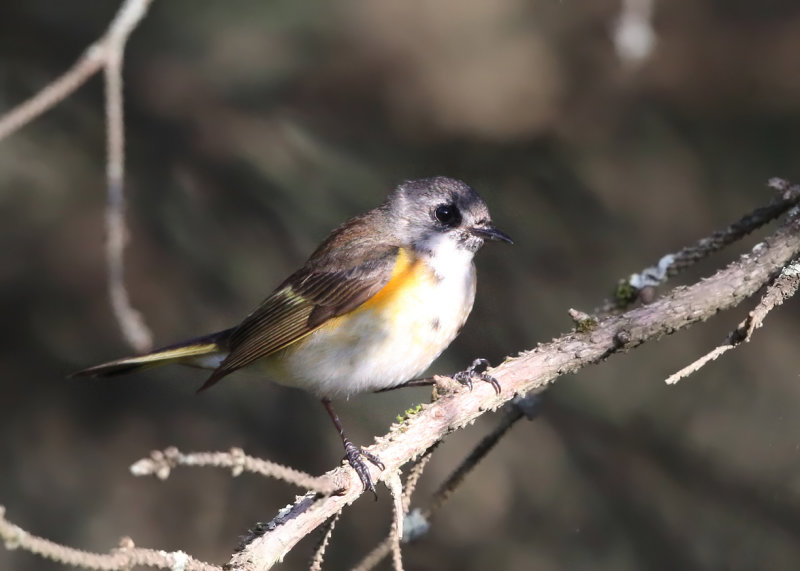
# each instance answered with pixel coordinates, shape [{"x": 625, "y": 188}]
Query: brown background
[{"x": 255, "y": 127}]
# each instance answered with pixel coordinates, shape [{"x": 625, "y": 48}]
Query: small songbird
[{"x": 371, "y": 309}]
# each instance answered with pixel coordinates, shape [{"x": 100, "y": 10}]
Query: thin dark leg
[
  {"x": 464, "y": 377},
  {"x": 412, "y": 383},
  {"x": 355, "y": 455}
]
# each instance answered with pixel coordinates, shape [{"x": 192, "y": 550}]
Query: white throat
[{"x": 448, "y": 259}]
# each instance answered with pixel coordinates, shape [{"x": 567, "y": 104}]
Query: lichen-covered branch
[{"x": 641, "y": 284}]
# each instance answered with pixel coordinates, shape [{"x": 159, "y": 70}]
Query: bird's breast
[{"x": 391, "y": 338}]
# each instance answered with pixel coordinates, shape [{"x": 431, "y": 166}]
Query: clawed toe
[
  {"x": 466, "y": 377},
  {"x": 355, "y": 457}
]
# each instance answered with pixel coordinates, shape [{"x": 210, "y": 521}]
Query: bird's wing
[{"x": 304, "y": 302}]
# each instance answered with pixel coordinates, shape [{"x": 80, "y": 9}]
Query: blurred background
[{"x": 253, "y": 128}]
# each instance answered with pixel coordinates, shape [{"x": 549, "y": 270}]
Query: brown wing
[{"x": 304, "y": 302}]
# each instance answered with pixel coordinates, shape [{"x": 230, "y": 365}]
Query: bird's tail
[{"x": 206, "y": 352}]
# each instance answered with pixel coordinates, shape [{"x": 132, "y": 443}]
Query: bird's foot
[
  {"x": 474, "y": 371},
  {"x": 356, "y": 456}
]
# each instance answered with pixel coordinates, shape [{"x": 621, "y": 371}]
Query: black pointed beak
[{"x": 489, "y": 232}]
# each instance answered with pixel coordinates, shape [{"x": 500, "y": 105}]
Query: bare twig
[
  {"x": 399, "y": 509},
  {"x": 471, "y": 461},
  {"x": 374, "y": 557},
  {"x": 695, "y": 366},
  {"x": 131, "y": 322},
  {"x": 160, "y": 464},
  {"x": 418, "y": 522},
  {"x": 106, "y": 53},
  {"x": 124, "y": 557},
  {"x": 411, "y": 524},
  {"x": 319, "y": 553},
  {"x": 414, "y": 474},
  {"x": 785, "y": 286},
  {"x": 90, "y": 63}
]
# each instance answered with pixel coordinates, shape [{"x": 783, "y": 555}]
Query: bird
[{"x": 373, "y": 306}]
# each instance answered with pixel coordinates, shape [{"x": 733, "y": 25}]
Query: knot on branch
[
  {"x": 123, "y": 553},
  {"x": 13, "y": 535},
  {"x": 238, "y": 460},
  {"x": 159, "y": 464}
]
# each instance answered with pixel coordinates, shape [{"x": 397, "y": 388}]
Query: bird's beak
[{"x": 489, "y": 232}]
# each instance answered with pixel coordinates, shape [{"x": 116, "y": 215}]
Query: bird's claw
[
  {"x": 355, "y": 457},
  {"x": 473, "y": 372}
]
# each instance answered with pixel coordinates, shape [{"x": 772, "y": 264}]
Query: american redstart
[{"x": 373, "y": 306}]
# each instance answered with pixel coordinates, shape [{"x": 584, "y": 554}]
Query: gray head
[{"x": 426, "y": 211}]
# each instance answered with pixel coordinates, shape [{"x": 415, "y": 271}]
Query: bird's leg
[
  {"x": 472, "y": 372},
  {"x": 412, "y": 383},
  {"x": 464, "y": 377},
  {"x": 355, "y": 455}
]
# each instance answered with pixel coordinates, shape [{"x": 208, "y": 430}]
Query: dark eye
[{"x": 448, "y": 215}]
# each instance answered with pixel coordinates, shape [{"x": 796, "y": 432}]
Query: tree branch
[
  {"x": 530, "y": 372},
  {"x": 106, "y": 54},
  {"x": 785, "y": 286},
  {"x": 160, "y": 464},
  {"x": 124, "y": 557},
  {"x": 640, "y": 286}
]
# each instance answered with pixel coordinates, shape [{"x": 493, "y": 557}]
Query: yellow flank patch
[
  {"x": 408, "y": 274},
  {"x": 409, "y": 277}
]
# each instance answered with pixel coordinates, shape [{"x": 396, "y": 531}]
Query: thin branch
[
  {"x": 412, "y": 524},
  {"x": 631, "y": 289},
  {"x": 131, "y": 322},
  {"x": 124, "y": 557},
  {"x": 478, "y": 453},
  {"x": 90, "y": 63},
  {"x": 418, "y": 522},
  {"x": 374, "y": 557},
  {"x": 319, "y": 553},
  {"x": 414, "y": 475},
  {"x": 530, "y": 372},
  {"x": 785, "y": 286},
  {"x": 160, "y": 464},
  {"x": 107, "y": 54},
  {"x": 399, "y": 510},
  {"x": 93, "y": 60},
  {"x": 695, "y": 366}
]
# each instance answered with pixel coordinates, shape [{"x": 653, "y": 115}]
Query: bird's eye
[{"x": 447, "y": 214}]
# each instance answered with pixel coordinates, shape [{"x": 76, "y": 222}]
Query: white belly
[{"x": 383, "y": 346}]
